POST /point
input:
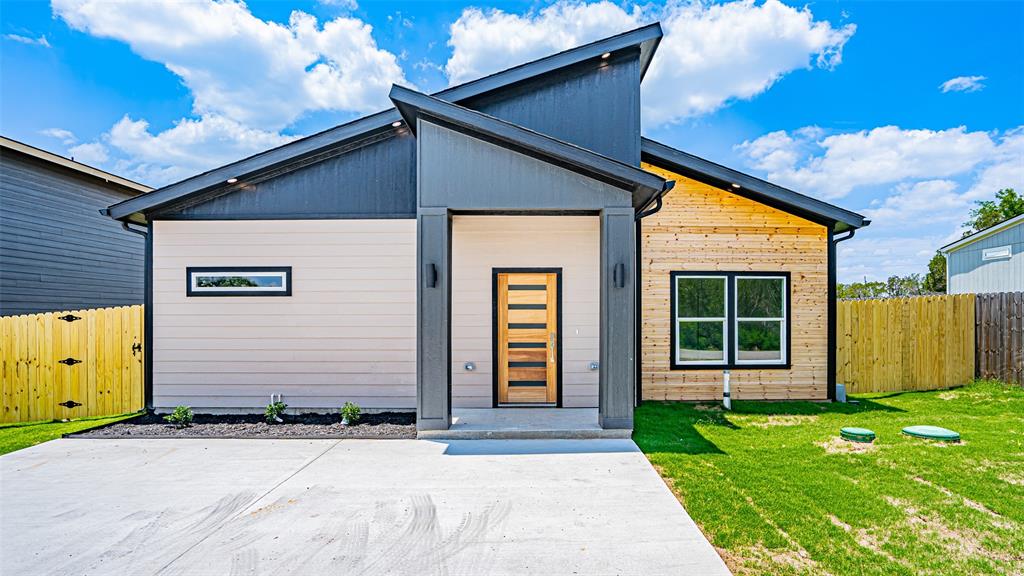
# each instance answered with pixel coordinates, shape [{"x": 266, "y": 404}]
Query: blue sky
[{"x": 905, "y": 111}]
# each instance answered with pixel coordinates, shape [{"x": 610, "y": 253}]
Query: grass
[
  {"x": 22, "y": 435},
  {"x": 777, "y": 492}
]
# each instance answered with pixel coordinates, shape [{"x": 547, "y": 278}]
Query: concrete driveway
[{"x": 311, "y": 507}]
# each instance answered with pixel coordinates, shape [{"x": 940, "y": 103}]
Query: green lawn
[
  {"x": 777, "y": 492},
  {"x": 17, "y": 436}
]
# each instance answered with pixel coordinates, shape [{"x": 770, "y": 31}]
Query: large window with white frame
[{"x": 730, "y": 319}]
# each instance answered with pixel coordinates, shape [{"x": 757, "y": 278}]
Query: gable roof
[
  {"x": 984, "y": 233},
  {"x": 124, "y": 184},
  {"x": 748, "y": 186},
  {"x": 642, "y": 184},
  {"x": 645, "y": 38}
]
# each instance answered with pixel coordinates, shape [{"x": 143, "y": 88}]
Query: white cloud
[
  {"x": 92, "y": 153},
  {"x": 40, "y": 41},
  {"x": 711, "y": 53},
  {"x": 249, "y": 78},
  {"x": 929, "y": 181},
  {"x": 344, "y": 4},
  {"x": 963, "y": 84},
  {"x": 833, "y": 166},
  {"x": 66, "y": 137},
  {"x": 262, "y": 73},
  {"x": 189, "y": 147}
]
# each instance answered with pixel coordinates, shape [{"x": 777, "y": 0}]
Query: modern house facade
[
  {"x": 510, "y": 242},
  {"x": 57, "y": 252},
  {"x": 990, "y": 260}
]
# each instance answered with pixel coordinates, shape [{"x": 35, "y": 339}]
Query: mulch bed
[{"x": 382, "y": 425}]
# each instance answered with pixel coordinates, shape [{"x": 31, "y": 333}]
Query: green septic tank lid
[
  {"x": 857, "y": 434},
  {"x": 932, "y": 432}
]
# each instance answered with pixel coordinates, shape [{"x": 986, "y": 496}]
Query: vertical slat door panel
[{"x": 526, "y": 337}]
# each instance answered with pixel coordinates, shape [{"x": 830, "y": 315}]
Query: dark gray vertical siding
[
  {"x": 373, "y": 181},
  {"x": 593, "y": 105},
  {"x": 465, "y": 173},
  {"x": 57, "y": 252}
]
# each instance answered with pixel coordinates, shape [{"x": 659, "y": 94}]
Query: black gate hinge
[
  {"x": 69, "y": 317},
  {"x": 70, "y": 361},
  {"x": 136, "y": 348},
  {"x": 69, "y": 404}
]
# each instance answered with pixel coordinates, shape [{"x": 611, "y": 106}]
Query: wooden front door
[{"x": 526, "y": 337}]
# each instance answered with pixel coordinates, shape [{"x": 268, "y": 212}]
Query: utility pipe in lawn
[{"x": 726, "y": 400}]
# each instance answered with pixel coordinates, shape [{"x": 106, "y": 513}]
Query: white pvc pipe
[{"x": 726, "y": 400}]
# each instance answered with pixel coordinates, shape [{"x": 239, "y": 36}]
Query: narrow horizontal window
[
  {"x": 996, "y": 253},
  {"x": 239, "y": 281}
]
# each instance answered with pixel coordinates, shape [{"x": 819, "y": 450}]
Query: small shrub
[
  {"x": 274, "y": 411},
  {"x": 350, "y": 413},
  {"x": 181, "y": 417}
]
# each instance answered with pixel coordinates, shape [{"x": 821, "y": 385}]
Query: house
[
  {"x": 507, "y": 242},
  {"x": 990, "y": 260},
  {"x": 57, "y": 252}
]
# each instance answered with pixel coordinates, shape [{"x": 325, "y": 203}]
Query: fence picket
[
  {"x": 919, "y": 343},
  {"x": 107, "y": 380}
]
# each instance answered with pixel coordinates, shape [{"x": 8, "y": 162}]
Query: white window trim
[
  {"x": 194, "y": 280},
  {"x": 997, "y": 253},
  {"x": 723, "y": 319},
  {"x": 781, "y": 320}
]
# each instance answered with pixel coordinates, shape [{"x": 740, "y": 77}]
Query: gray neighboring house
[
  {"x": 57, "y": 252},
  {"x": 991, "y": 260}
]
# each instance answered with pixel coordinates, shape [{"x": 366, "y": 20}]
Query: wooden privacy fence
[
  {"x": 72, "y": 364},
  {"x": 1000, "y": 336},
  {"x": 918, "y": 343}
]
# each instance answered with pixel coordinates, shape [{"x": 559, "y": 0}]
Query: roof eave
[
  {"x": 736, "y": 182},
  {"x": 981, "y": 234}
]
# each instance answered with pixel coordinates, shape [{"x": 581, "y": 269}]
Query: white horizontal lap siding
[
  {"x": 347, "y": 332},
  {"x": 482, "y": 243}
]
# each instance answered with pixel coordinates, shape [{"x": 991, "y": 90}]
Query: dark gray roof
[
  {"x": 642, "y": 184},
  {"x": 646, "y": 38},
  {"x": 784, "y": 199}
]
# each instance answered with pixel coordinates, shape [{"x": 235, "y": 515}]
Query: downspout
[
  {"x": 147, "y": 310},
  {"x": 832, "y": 339},
  {"x": 644, "y": 211}
]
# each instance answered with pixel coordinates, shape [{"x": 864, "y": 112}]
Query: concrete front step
[{"x": 511, "y": 434}]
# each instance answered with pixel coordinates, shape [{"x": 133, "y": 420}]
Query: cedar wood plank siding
[
  {"x": 703, "y": 228},
  {"x": 347, "y": 333},
  {"x": 57, "y": 252}
]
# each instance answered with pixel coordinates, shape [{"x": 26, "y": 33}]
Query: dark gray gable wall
[
  {"x": 57, "y": 252},
  {"x": 377, "y": 180},
  {"x": 594, "y": 104}
]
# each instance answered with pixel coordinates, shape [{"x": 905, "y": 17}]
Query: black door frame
[{"x": 494, "y": 332}]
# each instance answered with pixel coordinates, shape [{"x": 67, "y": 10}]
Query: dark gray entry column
[
  {"x": 433, "y": 314},
  {"x": 616, "y": 388}
]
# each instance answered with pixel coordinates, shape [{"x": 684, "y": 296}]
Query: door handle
[{"x": 551, "y": 346}]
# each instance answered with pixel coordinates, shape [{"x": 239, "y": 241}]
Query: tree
[
  {"x": 900, "y": 286},
  {"x": 935, "y": 280},
  {"x": 1007, "y": 204},
  {"x": 861, "y": 290}
]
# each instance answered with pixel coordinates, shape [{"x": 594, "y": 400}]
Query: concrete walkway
[{"x": 310, "y": 507}]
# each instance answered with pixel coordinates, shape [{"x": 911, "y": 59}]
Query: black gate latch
[
  {"x": 69, "y": 404},
  {"x": 136, "y": 348},
  {"x": 70, "y": 361},
  {"x": 69, "y": 317}
]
